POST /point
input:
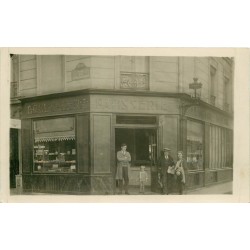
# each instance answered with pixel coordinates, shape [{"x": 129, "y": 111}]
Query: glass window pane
[
  {"x": 54, "y": 146},
  {"x": 194, "y": 145}
]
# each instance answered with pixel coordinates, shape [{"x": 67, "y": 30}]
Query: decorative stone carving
[
  {"x": 81, "y": 71},
  {"x": 134, "y": 80}
]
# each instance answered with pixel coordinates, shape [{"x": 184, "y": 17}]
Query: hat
[{"x": 166, "y": 149}]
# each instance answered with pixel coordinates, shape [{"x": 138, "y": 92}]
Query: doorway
[
  {"x": 14, "y": 157},
  {"x": 142, "y": 146}
]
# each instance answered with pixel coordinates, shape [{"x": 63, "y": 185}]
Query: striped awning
[
  {"x": 55, "y": 138},
  {"x": 194, "y": 139},
  {"x": 56, "y": 129}
]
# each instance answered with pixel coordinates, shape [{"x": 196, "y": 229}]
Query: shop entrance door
[
  {"x": 142, "y": 146},
  {"x": 14, "y": 157}
]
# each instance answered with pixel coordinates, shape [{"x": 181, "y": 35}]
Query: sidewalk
[{"x": 222, "y": 188}]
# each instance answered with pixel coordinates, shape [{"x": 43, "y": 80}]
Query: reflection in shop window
[
  {"x": 194, "y": 145},
  {"x": 54, "y": 146}
]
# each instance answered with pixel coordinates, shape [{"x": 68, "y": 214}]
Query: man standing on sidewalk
[
  {"x": 123, "y": 158},
  {"x": 165, "y": 164}
]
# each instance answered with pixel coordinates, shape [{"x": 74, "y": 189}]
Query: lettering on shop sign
[
  {"x": 57, "y": 106},
  {"x": 81, "y": 71},
  {"x": 208, "y": 115},
  {"x": 115, "y": 104}
]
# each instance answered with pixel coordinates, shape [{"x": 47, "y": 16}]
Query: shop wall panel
[
  {"x": 83, "y": 143},
  {"x": 28, "y": 74},
  {"x": 27, "y": 84},
  {"x": 225, "y": 175},
  {"x": 71, "y": 65},
  {"x": 24, "y": 58},
  {"x": 211, "y": 177},
  {"x": 56, "y": 184},
  {"x": 27, "y": 64},
  {"x": 138, "y": 64},
  {"x": 75, "y": 58},
  {"x": 103, "y": 62},
  {"x": 207, "y": 145},
  {"x": 103, "y": 83},
  {"x": 195, "y": 180},
  {"x": 102, "y": 185},
  {"x": 165, "y": 58},
  {"x": 101, "y": 143},
  {"x": 164, "y": 66},
  {"x": 51, "y": 74},
  {"x": 102, "y": 73},
  {"x": 77, "y": 84},
  {"x": 26, "y": 146},
  {"x": 28, "y": 92},
  {"x": 170, "y": 133}
]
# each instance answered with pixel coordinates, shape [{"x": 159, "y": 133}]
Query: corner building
[{"x": 70, "y": 115}]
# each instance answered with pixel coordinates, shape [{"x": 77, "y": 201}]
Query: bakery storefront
[{"x": 69, "y": 140}]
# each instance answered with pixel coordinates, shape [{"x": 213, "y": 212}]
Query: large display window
[
  {"x": 195, "y": 145},
  {"x": 220, "y": 147},
  {"x": 54, "y": 145}
]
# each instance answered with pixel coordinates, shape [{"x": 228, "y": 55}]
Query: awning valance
[
  {"x": 55, "y": 138},
  {"x": 59, "y": 129},
  {"x": 194, "y": 138}
]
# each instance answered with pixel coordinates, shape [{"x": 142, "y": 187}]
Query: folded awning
[
  {"x": 60, "y": 129},
  {"x": 55, "y": 138}
]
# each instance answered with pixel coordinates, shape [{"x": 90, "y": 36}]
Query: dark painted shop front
[{"x": 70, "y": 140}]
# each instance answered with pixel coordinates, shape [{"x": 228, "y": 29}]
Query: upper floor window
[
  {"x": 212, "y": 85},
  {"x": 14, "y": 76},
  {"x": 134, "y": 72},
  {"x": 226, "y": 94}
]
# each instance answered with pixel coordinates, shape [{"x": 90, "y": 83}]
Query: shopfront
[
  {"x": 208, "y": 146},
  {"x": 70, "y": 140}
]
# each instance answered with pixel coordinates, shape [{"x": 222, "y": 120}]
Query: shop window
[
  {"x": 195, "y": 145},
  {"x": 220, "y": 148},
  {"x": 54, "y": 146}
]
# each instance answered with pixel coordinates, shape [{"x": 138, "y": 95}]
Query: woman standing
[{"x": 180, "y": 173}]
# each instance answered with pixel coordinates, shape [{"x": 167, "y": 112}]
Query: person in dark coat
[
  {"x": 166, "y": 168},
  {"x": 123, "y": 165}
]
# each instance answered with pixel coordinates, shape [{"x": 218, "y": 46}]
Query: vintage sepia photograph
[{"x": 121, "y": 125}]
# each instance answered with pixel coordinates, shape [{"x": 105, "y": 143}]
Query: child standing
[{"x": 143, "y": 177}]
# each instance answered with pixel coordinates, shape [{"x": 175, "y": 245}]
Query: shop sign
[
  {"x": 133, "y": 104},
  {"x": 15, "y": 123},
  {"x": 208, "y": 116},
  {"x": 57, "y": 106}
]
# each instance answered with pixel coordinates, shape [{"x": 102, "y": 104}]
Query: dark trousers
[
  {"x": 126, "y": 180},
  {"x": 180, "y": 186},
  {"x": 170, "y": 183}
]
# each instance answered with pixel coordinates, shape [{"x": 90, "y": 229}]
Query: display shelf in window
[{"x": 54, "y": 146}]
